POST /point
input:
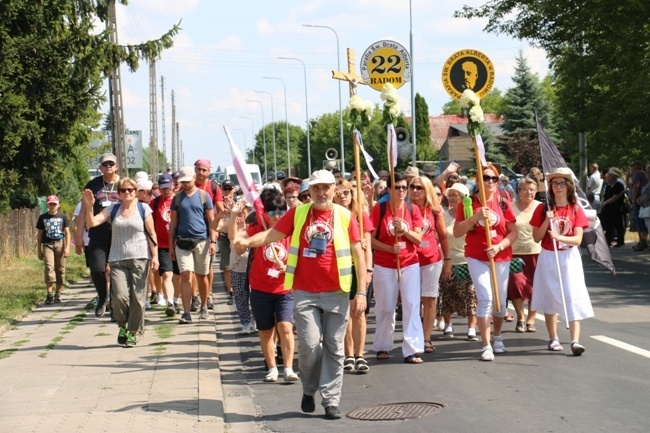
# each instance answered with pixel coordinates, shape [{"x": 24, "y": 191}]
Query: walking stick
[
  {"x": 557, "y": 261},
  {"x": 488, "y": 238},
  {"x": 391, "y": 157},
  {"x": 357, "y": 173}
]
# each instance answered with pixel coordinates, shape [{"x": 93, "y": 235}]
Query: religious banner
[{"x": 468, "y": 70}]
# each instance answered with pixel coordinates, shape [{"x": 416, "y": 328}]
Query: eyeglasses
[
  {"x": 487, "y": 178},
  {"x": 344, "y": 192},
  {"x": 274, "y": 213},
  {"x": 108, "y": 164},
  {"x": 400, "y": 187},
  {"x": 416, "y": 187},
  {"x": 129, "y": 190},
  {"x": 559, "y": 184}
]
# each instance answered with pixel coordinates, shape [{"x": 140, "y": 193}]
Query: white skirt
[{"x": 547, "y": 295}]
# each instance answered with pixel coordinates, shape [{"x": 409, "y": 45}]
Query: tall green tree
[
  {"x": 424, "y": 150},
  {"x": 54, "y": 61},
  {"x": 297, "y": 146}
]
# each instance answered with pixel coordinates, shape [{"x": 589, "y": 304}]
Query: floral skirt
[{"x": 457, "y": 296}]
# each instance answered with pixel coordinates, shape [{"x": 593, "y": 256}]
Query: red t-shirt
[
  {"x": 264, "y": 275},
  {"x": 367, "y": 224},
  {"x": 214, "y": 195},
  {"x": 408, "y": 254},
  {"x": 475, "y": 243},
  {"x": 316, "y": 272},
  {"x": 161, "y": 218},
  {"x": 428, "y": 250},
  {"x": 566, "y": 219}
]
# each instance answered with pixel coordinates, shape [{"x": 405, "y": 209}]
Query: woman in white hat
[{"x": 558, "y": 286}]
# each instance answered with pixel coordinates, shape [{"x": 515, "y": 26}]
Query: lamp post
[
  {"x": 338, "y": 62},
  {"x": 266, "y": 172},
  {"x": 275, "y": 158},
  {"x": 306, "y": 111},
  {"x": 252, "y": 135},
  {"x": 286, "y": 120},
  {"x": 413, "y": 138}
]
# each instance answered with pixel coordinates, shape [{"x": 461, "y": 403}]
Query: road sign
[
  {"x": 468, "y": 69},
  {"x": 133, "y": 148},
  {"x": 386, "y": 62}
]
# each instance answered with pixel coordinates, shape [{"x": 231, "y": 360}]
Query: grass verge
[{"x": 22, "y": 287}]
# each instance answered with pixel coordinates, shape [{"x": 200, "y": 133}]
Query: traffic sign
[
  {"x": 468, "y": 69},
  {"x": 386, "y": 62}
]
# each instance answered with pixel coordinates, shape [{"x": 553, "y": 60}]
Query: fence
[{"x": 18, "y": 234}]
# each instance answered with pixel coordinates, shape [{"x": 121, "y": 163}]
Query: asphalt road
[{"x": 527, "y": 389}]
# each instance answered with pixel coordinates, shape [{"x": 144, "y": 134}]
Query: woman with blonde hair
[
  {"x": 431, "y": 258},
  {"x": 355, "y": 335}
]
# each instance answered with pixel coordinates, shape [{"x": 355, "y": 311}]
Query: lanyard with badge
[
  {"x": 107, "y": 194},
  {"x": 318, "y": 240}
]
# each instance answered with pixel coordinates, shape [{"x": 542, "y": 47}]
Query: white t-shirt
[{"x": 77, "y": 210}]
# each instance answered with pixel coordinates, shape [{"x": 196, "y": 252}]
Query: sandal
[
  {"x": 361, "y": 365},
  {"x": 428, "y": 347},
  {"x": 530, "y": 327},
  {"x": 348, "y": 364},
  {"x": 555, "y": 346},
  {"x": 413, "y": 359},
  {"x": 382, "y": 355},
  {"x": 508, "y": 318},
  {"x": 520, "y": 327}
]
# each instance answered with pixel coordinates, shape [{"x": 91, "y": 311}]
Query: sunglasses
[
  {"x": 416, "y": 188},
  {"x": 274, "y": 213},
  {"x": 400, "y": 187},
  {"x": 345, "y": 192},
  {"x": 559, "y": 184},
  {"x": 129, "y": 190},
  {"x": 108, "y": 164},
  {"x": 487, "y": 178},
  {"x": 304, "y": 196}
]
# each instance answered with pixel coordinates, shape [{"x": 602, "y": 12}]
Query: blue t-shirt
[
  {"x": 53, "y": 226},
  {"x": 191, "y": 221}
]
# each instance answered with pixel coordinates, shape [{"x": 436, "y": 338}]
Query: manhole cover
[{"x": 395, "y": 411}]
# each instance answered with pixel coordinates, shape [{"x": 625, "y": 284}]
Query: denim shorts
[{"x": 269, "y": 309}]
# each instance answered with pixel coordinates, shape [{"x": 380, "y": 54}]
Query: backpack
[
  {"x": 382, "y": 212},
  {"x": 116, "y": 209}
]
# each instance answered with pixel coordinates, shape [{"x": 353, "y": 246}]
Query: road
[{"x": 527, "y": 389}]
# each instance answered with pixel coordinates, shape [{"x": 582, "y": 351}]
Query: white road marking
[{"x": 622, "y": 345}]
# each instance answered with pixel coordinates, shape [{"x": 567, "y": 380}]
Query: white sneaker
[
  {"x": 487, "y": 354},
  {"x": 161, "y": 301},
  {"x": 441, "y": 325},
  {"x": 290, "y": 375},
  {"x": 498, "y": 345},
  {"x": 246, "y": 329},
  {"x": 471, "y": 334},
  {"x": 449, "y": 330},
  {"x": 272, "y": 375},
  {"x": 147, "y": 305}
]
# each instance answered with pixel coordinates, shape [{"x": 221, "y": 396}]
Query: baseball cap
[
  {"x": 141, "y": 175},
  {"x": 227, "y": 183},
  {"x": 107, "y": 157},
  {"x": 144, "y": 184},
  {"x": 165, "y": 181},
  {"x": 459, "y": 187},
  {"x": 52, "y": 199},
  {"x": 186, "y": 174},
  {"x": 322, "y": 177}
]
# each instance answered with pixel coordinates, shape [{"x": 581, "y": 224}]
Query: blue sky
[{"x": 226, "y": 47}]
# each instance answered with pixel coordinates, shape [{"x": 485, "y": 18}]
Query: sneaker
[
  {"x": 498, "y": 345},
  {"x": 449, "y": 330},
  {"x": 246, "y": 328},
  {"x": 49, "y": 299},
  {"x": 441, "y": 325},
  {"x": 100, "y": 309},
  {"x": 204, "y": 315},
  {"x": 554, "y": 345},
  {"x": 185, "y": 318},
  {"x": 122, "y": 336},
  {"x": 231, "y": 298},
  {"x": 271, "y": 376},
  {"x": 196, "y": 304},
  {"x": 487, "y": 354},
  {"x": 210, "y": 305},
  {"x": 471, "y": 334},
  {"x": 130, "y": 340},
  {"x": 332, "y": 412},
  {"x": 57, "y": 298},
  {"x": 290, "y": 375},
  {"x": 577, "y": 348},
  {"x": 147, "y": 305},
  {"x": 161, "y": 300},
  {"x": 170, "y": 311},
  {"x": 307, "y": 404}
]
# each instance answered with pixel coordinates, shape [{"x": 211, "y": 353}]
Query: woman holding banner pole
[
  {"x": 503, "y": 232},
  {"x": 559, "y": 279}
]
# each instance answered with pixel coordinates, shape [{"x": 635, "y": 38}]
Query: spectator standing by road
[
  {"x": 637, "y": 183},
  {"x": 595, "y": 185},
  {"x": 612, "y": 211},
  {"x": 53, "y": 246}
]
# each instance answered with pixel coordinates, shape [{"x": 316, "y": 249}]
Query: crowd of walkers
[{"x": 306, "y": 263}]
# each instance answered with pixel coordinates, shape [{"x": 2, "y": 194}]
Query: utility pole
[
  {"x": 179, "y": 147},
  {"x": 162, "y": 105},
  {"x": 153, "y": 121},
  {"x": 119, "y": 138},
  {"x": 174, "y": 149}
]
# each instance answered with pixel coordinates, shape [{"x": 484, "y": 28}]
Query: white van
[{"x": 253, "y": 169}]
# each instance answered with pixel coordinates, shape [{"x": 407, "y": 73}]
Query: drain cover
[{"x": 395, "y": 411}]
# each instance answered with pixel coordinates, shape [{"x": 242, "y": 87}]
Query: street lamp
[
  {"x": 275, "y": 159},
  {"x": 306, "y": 111},
  {"x": 338, "y": 61},
  {"x": 263, "y": 133},
  {"x": 252, "y": 135},
  {"x": 286, "y": 120},
  {"x": 412, "y": 82}
]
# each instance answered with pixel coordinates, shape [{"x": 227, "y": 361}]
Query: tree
[
  {"x": 297, "y": 146},
  {"x": 54, "y": 61},
  {"x": 492, "y": 103},
  {"x": 424, "y": 146}
]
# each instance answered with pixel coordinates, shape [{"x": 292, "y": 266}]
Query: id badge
[
  {"x": 273, "y": 273},
  {"x": 402, "y": 245},
  {"x": 307, "y": 253},
  {"x": 106, "y": 203},
  {"x": 493, "y": 233},
  {"x": 424, "y": 244}
]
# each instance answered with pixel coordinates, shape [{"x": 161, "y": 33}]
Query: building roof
[{"x": 441, "y": 126}]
